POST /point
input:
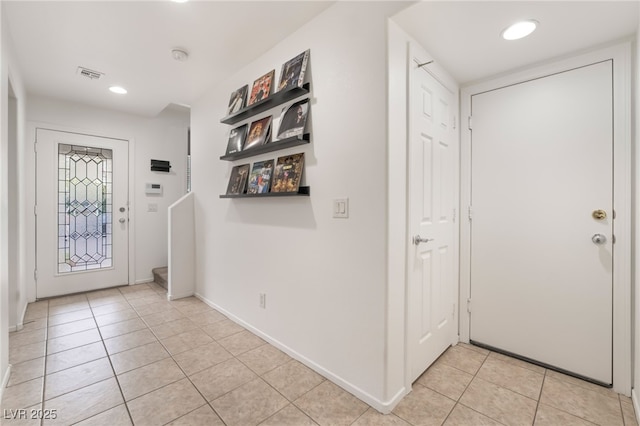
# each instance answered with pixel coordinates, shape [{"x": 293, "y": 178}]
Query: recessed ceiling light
[
  {"x": 179, "y": 1},
  {"x": 520, "y": 29},
  {"x": 119, "y": 90}
]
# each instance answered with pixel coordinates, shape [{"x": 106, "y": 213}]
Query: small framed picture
[
  {"x": 292, "y": 74},
  {"x": 238, "y": 100},
  {"x": 261, "y": 88},
  {"x": 259, "y": 133},
  {"x": 238, "y": 180},
  {"x": 293, "y": 120},
  {"x": 236, "y": 139}
]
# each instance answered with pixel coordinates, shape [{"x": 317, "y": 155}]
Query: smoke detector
[
  {"x": 90, "y": 74},
  {"x": 180, "y": 55}
]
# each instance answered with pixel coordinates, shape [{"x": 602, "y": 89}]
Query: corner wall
[
  {"x": 163, "y": 137},
  {"x": 325, "y": 279}
]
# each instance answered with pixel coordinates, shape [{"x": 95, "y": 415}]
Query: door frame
[
  {"x": 620, "y": 53},
  {"x": 33, "y": 126},
  {"x": 417, "y": 55}
]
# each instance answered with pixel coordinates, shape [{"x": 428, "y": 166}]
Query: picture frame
[
  {"x": 238, "y": 100},
  {"x": 293, "y": 71},
  {"x": 261, "y": 88},
  {"x": 294, "y": 119}
]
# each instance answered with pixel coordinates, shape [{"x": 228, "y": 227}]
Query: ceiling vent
[{"x": 90, "y": 74}]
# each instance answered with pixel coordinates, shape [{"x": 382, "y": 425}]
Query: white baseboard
[
  {"x": 636, "y": 406},
  {"x": 5, "y": 380},
  {"x": 144, "y": 280},
  {"x": 384, "y": 407}
]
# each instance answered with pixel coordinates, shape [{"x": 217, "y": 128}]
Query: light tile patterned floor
[{"x": 127, "y": 356}]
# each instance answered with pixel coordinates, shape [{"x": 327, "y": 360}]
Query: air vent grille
[{"x": 90, "y": 74}]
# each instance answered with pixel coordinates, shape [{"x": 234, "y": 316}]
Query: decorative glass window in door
[{"x": 84, "y": 208}]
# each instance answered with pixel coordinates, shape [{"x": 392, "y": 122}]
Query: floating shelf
[
  {"x": 303, "y": 191},
  {"x": 269, "y": 147},
  {"x": 271, "y": 101}
]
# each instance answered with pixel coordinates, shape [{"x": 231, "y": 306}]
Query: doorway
[
  {"x": 432, "y": 205},
  {"x": 82, "y": 215},
  {"x": 618, "y": 59}
]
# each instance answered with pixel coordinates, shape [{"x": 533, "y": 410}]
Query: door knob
[
  {"x": 122, "y": 220},
  {"x": 418, "y": 239},
  {"x": 599, "y": 239}
]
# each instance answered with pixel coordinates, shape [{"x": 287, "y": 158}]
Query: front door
[
  {"x": 82, "y": 212},
  {"x": 432, "y": 266},
  {"x": 542, "y": 220}
]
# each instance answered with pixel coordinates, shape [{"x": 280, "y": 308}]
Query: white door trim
[
  {"x": 32, "y": 127},
  {"x": 417, "y": 55},
  {"x": 621, "y": 55}
]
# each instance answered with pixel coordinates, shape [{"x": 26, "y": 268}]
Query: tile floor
[{"x": 127, "y": 356}]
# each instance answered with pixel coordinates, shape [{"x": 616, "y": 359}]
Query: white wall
[
  {"x": 163, "y": 137},
  {"x": 12, "y": 217},
  {"x": 636, "y": 245},
  {"x": 325, "y": 279}
]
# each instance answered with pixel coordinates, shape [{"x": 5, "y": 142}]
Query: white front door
[
  {"x": 82, "y": 212},
  {"x": 541, "y": 258},
  {"x": 432, "y": 268}
]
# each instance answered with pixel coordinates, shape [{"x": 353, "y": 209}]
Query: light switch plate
[{"x": 341, "y": 208}]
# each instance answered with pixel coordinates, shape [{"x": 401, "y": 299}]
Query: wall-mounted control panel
[{"x": 153, "y": 189}]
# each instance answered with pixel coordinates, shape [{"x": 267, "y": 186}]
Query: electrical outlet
[{"x": 263, "y": 300}]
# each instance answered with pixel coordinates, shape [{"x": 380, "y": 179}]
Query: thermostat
[{"x": 153, "y": 188}]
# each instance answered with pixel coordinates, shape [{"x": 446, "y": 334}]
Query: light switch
[{"x": 341, "y": 208}]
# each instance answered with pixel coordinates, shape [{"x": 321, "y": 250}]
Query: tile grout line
[{"x": 124, "y": 401}]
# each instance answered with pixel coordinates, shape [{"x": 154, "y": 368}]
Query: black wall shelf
[
  {"x": 269, "y": 147},
  {"x": 303, "y": 191},
  {"x": 271, "y": 101}
]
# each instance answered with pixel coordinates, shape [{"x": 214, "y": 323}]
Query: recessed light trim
[
  {"x": 119, "y": 90},
  {"x": 520, "y": 29},
  {"x": 179, "y": 1}
]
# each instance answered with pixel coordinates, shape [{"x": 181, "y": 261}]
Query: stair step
[{"x": 161, "y": 276}]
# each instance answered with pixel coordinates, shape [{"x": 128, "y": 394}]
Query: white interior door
[
  {"x": 432, "y": 268},
  {"x": 542, "y": 163},
  {"x": 82, "y": 212}
]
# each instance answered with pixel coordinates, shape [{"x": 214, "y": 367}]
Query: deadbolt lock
[{"x": 599, "y": 214}]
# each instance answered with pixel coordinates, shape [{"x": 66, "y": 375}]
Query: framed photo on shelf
[
  {"x": 238, "y": 100},
  {"x": 292, "y": 73},
  {"x": 259, "y": 133},
  {"x": 236, "y": 139},
  {"x": 293, "y": 119},
  {"x": 261, "y": 88},
  {"x": 260, "y": 177},
  {"x": 238, "y": 180},
  {"x": 288, "y": 173}
]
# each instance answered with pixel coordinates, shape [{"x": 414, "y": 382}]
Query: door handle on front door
[
  {"x": 122, "y": 220},
  {"x": 418, "y": 239},
  {"x": 599, "y": 239}
]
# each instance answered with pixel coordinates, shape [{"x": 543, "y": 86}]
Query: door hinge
[
  {"x": 469, "y": 305},
  {"x": 35, "y": 210},
  {"x": 35, "y": 274},
  {"x": 614, "y": 214},
  {"x": 470, "y": 213},
  {"x": 613, "y": 239},
  {"x": 470, "y": 123}
]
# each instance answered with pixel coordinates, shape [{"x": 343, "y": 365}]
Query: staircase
[{"x": 161, "y": 276}]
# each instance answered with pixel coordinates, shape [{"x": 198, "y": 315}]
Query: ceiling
[
  {"x": 130, "y": 41},
  {"x": 464, "y": 36}
]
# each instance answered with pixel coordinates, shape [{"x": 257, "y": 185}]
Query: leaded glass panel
[{"x": 84, "y": 208}]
